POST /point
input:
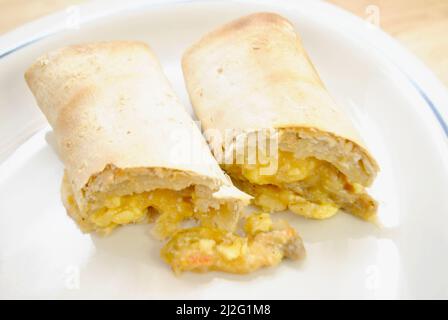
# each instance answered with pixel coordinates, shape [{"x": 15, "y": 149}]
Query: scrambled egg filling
[
  {"x": 168, "y": 208},
  {"x": 205, "y": 247},
  {"x": 212, "y": 244},
  {"x": 202, "y": 249},
  {"x": 309, "y": 187}
]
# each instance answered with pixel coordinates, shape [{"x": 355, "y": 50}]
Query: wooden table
[{"x": 420, "y": 25}]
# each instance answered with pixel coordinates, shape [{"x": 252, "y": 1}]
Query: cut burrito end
[
  {"x": 313, "y": 174},
  {"x": 253, "y": 74},
  {"x": 167, "y": 197}
]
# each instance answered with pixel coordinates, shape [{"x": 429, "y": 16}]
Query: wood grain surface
[{"x": 420, "y": 25}]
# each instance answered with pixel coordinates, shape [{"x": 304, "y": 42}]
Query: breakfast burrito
[
  {"x": 132, "y": 154},
  {"x": 252, "y": 81},
  {"x": 131, "y": 151}
]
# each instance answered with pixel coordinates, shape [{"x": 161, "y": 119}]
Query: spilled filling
[
  {"x": 209, "y": 246},
  {"x": 203, "y": 249},
  {"x": 309, "y": 187}
]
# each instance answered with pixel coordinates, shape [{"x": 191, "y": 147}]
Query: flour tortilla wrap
[
  {"x": 254, "y": 74},
  {"x": 114, "y": 116}
]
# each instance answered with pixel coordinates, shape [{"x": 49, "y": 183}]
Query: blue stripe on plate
[
  {"x": 23, "y": 45},
  {"x": 431, "y": 105}
]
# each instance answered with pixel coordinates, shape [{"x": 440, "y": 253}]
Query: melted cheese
[
  {"x": 168, "y": 207},
  {"x": 289, "y": 169},
  {"x": 319, "y": 182},
  {"x": 272, "y": 198}
]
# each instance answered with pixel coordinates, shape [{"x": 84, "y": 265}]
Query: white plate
[{"x": 400, "y": 115}]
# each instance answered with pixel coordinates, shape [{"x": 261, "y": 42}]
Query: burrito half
[
  {"x": 131, "y": 151},
  {"x": 252, "y": 78}
]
